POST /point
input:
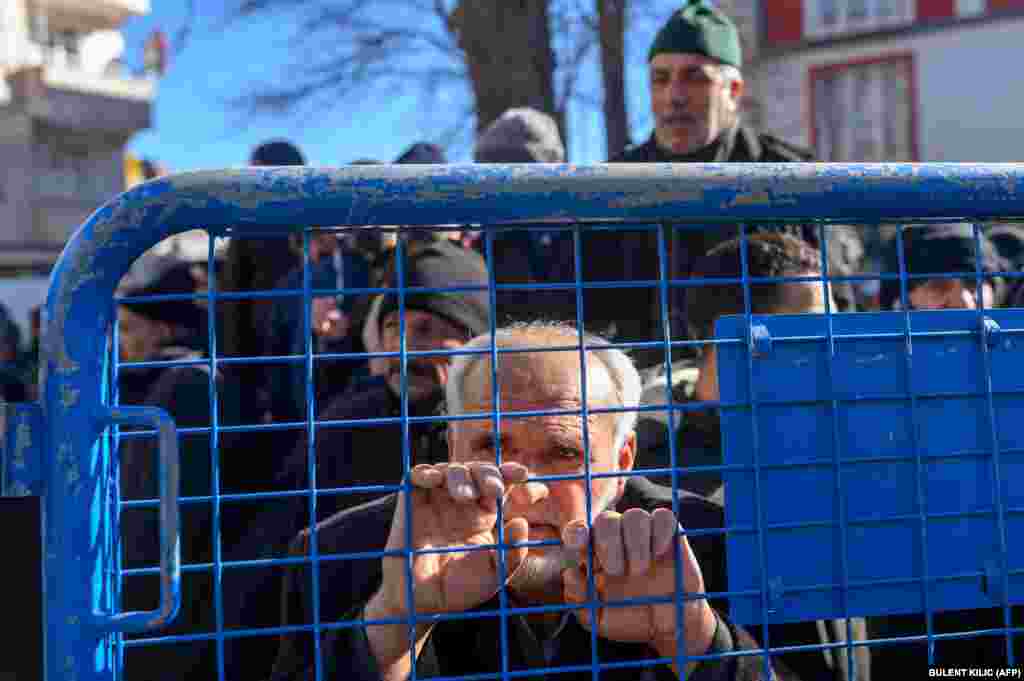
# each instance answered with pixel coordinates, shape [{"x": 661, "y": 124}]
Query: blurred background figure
[
  {"x": 333, "y": 264},
  {"x": 423, "y": 152},
  {"x": 360, "y": 455},
  {"x": 169, "y": 330},
  {"x": 255, "y": 264},
  {"x": 944, "y": 249},
  {"x": 528, "y": 256},
  {"x": 1009, "y": 241},
  {"x": 13, "y": 384}
]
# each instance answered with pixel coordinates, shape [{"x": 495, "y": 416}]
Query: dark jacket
[
  {"x": 288, "y": 381},
  {"x": 539, "y": 257},
  {"x": 251, "y": 264},
  {"x": 351, "y": 456},
  {"x": 346, "y": 456},
  {"x": 12, "y": 385},
  {"x": 741, "y": 145},
  {"x": 459, "y": 647},
  {"x": 184, "y": 392}
]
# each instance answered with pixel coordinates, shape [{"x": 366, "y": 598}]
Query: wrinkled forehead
[{"x": 537, "y": 378}]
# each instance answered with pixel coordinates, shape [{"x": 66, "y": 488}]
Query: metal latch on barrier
[
  {"x": 760, "y": 340},
  {"x": 990, "y": 332},
  {"x": 21, "y": 449}
]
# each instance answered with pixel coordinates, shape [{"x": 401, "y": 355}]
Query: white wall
[{"x": 970, "y": 102}]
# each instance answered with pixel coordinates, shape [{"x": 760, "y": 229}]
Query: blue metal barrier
[{"x": 84, "y": 623}]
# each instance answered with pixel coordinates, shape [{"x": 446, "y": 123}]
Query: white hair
[{"x": 620, "y": 369}]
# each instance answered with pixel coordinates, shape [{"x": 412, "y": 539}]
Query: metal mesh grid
[{"x": 222, "y": 631}]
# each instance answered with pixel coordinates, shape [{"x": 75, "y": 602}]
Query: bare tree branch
[
  {"x": 572, "y": 67},
  {"x": 483, "y": 56},
  {"x": 181, "y": 38}
]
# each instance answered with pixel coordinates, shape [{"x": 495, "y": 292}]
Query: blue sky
[{"x": 195, "y": 127}]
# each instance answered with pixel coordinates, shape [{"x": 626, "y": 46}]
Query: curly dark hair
[{"x": 768, "y": 255}]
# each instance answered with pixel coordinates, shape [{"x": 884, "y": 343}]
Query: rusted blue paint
[{"x": 248, "y": 202}]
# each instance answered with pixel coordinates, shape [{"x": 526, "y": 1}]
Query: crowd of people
[{"x": 368, "y": 436}]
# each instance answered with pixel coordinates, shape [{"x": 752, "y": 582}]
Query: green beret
[{"x": 699, "y": 28}]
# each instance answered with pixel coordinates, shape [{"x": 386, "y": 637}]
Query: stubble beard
[{"x": 539, "y": 578}]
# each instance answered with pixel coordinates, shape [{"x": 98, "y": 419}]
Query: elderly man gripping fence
[{"x": 552, "y": 517}]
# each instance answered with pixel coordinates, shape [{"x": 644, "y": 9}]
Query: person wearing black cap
[
  {"x": 433, "y": 321},
  {"x": 335, "y": 262},
  {"x": 169, "y": 331},
  {"x": 423, "y": 152},
  {"x": 942, "y": 250},
  {"x": 697, "y": 87},
  {"x": 349, "y": 456}
]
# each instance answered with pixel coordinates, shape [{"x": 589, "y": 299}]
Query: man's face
[
  {"x": 949, "y": 294},
  {"x": 547, "y": 445},
  {"x": 691, "y": 101},
  {"x": 423, "y": 331},
  {"x": 138, "y": 338}
]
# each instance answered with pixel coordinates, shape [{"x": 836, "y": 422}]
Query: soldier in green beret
[
  {"x": 696, "y": 83},
  {"x": 696, "y": 89}
]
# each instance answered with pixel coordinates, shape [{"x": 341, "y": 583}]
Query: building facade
[
  {"x": 888, "y": 80},
  {"x": 68, "y": 106}
]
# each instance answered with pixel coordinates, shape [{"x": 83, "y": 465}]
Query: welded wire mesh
[{"x": 265, "y": 594}]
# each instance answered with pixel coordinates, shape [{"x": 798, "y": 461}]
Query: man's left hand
[{"x": 635, "y": 556}]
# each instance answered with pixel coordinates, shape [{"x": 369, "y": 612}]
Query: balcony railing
[{"x": 62, "y": 69}]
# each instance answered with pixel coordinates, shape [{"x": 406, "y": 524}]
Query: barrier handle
[{"x": 170, "y": 535}]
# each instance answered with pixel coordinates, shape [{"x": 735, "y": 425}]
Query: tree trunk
[
  {"x": 507, "y": 46},
  {"x": 612, "y": 22}
]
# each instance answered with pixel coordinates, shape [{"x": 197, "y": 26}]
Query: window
[
  {"x": 829, "y": 17},
  {"x": 863, "y": 112},
  {"x": 72, "y": 172}
]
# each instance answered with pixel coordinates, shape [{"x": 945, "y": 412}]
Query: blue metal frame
[{"x": 80, "y": 542}]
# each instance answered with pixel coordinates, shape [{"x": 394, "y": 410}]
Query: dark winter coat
[
  {"x": 460, "y": 647},
  {"x": 346, "y": 456},
  {"x": 184, "y": 392}
]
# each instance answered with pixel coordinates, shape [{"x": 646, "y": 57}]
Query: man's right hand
[{"x": 452, "y": 505}]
